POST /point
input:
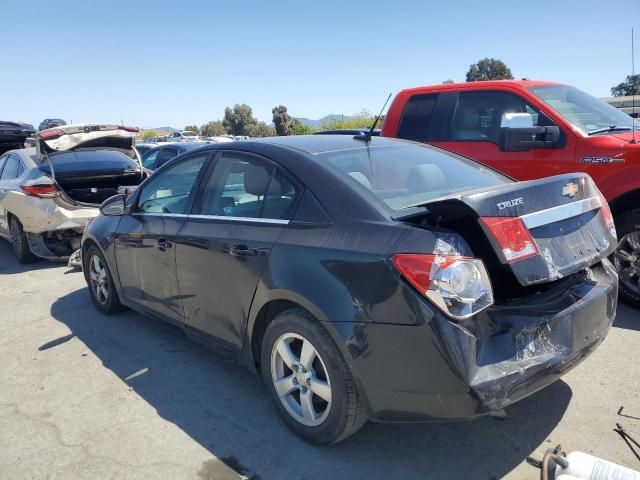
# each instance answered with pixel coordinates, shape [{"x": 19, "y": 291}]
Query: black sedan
[
  {"x": 14, "y": 134},
  {"x": 379, "y": 279}
]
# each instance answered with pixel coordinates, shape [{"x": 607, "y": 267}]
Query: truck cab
[{"x": 533, "y": 129}]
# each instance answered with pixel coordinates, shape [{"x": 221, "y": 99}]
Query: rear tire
[
  {"x": 316, "y": 394},
  {"x": 627, "y": 257},
  {"x": 101, "y": 288},
  {"x": 20, "y": 242}
]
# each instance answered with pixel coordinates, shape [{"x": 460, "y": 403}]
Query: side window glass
[
  {"x": 2, "y": 160},
  {"x": 20, "y": 169},
  {"x": 237, "y": 187},
  {"x": 280, "y": 198},
  {"x": 169, "y": 191},
  {"x": 10, "y": 170},
  {"x": 148, "y": 160},
  {"x": 478, "y": 114},
  {"x": 416, "y": 118},
  {"x": 165, "y": 155}
]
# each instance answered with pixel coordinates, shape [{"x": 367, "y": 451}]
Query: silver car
[{"x": 48, "y": 193}]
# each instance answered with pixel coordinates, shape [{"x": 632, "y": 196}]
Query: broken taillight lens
[
  {"x": 512, "y": 236},
  {"x": 51, "y": 134},
  {"x": 41, "y": 191},
  {"x": 459, "y": 286},
  {"x": 605, "y": 210}
]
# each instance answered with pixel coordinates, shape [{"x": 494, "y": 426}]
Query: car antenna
[
  {"x": 633, "y": 93},
  {"x": 366, "y": 137}
]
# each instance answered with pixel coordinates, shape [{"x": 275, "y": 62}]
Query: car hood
[{"x": 66, "y": 138}]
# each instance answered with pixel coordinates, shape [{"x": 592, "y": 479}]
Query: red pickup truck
[{"x": 533, "y": 129}]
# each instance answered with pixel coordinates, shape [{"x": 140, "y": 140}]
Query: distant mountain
[{"x": 321, "y": 121}]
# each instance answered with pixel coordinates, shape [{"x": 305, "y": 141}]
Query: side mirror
[
  {"x": 113, "y": 206},
  {"x": 517, "y": 133}
]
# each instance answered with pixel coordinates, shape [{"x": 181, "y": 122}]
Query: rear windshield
[{"x": 406, "y": 175}]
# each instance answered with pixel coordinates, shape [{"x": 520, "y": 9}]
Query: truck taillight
[
  {"x": 458, "y": 286},
  {"x": 605, "y": 210},
  {"x": 512, "y": 237},
  {"x": 41, "y": 191}
]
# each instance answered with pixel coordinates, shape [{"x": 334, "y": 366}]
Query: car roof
[
  {"x": 314, "y": 144},
  {"x": 28, "y": 155},
  {"x": 479, "y": 85}
]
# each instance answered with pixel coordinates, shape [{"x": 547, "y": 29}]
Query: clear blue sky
[{"x": 174, "y": 63}]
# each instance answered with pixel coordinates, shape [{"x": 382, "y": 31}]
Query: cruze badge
[
  {"x": 510, "y": 203},
  {"x": 570, "y": 190}
]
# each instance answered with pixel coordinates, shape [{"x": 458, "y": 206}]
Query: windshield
[
  {"x": 583, "y": 111},
  {"x": 410, "y": 174}
]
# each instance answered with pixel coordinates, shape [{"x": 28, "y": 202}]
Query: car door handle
[
  {"x": 163, "y": 244},
  {"x": 242, "y": 251}
]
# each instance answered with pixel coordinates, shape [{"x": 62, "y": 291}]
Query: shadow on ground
[
  {"x": 225, "y": 409},
  {"x": 627, "y": 317}
]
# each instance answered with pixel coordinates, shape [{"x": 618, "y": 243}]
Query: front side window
[
  {"x": 168, "y": 191},
  {"x": 416, "y": 119},
  {"x": 581, "y": 110},
  {"x": 478, "y": 114},
  {"x": 248, "y": 187},
  {"x": 149, "y": 159},
  {"x": 10, "y": 170},
  {"x": 401, "y": 176}
]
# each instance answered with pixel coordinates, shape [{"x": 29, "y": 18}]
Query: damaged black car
[{"x": 364, "y": 278}]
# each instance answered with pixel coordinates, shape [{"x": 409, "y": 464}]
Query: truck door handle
[
  {"x": 242, "y": 251},
  {"x": 163, "y": 244}
]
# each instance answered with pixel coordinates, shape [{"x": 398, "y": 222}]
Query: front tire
[
  {"x": 308, "y": 379},
  {"x": 627, "y": 257},
  {"x": 101, "y": 288},
  {"x": 20, "y": 242}
]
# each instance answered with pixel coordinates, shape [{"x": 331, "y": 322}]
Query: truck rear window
[{"x": 411, "y": 174}]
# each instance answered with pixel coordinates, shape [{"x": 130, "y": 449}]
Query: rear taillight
[
  {"x": 129, "y": 129},
  {"x": 459, "y": 286},
  {"x": 51, "y": 134},
  {"x": 41, "y": 191},
  {"x": 607, "y": 215},
  {"x": 512, "y": 236}
]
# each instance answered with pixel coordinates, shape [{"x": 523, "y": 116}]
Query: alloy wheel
[
  {"x": 98, "y": 279},
  {"x": 301, "y": 379},
  {"x": 627, "y": 260}
]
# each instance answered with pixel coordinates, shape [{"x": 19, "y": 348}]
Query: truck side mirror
[{"x": 517, "y": 133}]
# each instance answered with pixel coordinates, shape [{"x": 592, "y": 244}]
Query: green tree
[
  {"x": 488, "y": 69},
  {"x": 239, "y": 120},
  {"x": 261, "y": 129},
  {"x": 147, "y": 134},
  {"x": 448, "y": 80},
  {"x": 362, "y": 119},
  {"x": 631, "y": 86},
  {"x": 282, "y": 120},
  {"x": 299, "y": 128},
  {"x": 193, "y": 128},
  {"x": 213, "y": 129}
]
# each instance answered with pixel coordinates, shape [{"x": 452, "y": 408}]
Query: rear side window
[
  {"x": 416, "y": 122},
  {"x": 10, "y": 170},
  {"x": 478, "y": 115}
]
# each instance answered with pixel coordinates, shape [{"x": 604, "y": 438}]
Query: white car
[
  {"x": 183, "y": 136},
  {"x": 48, "y": 193}
]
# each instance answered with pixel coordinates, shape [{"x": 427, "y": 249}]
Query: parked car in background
[
  {"x": 50, "y": 123},
  {"x": 484, "y": 290},
  {"x": 183, "y": 136},
  {"x": 531, "y": 129},
  {"x": 220, "y": 139},
  {"x": 48, "y": 193},
  {"x": 349, "y": 131},
  {"x": 161, "y": 154},
  {"x": 14, "y": 134},
  {"x": 144, "y": 147}
]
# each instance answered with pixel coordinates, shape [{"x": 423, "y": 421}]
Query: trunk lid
[{"x": 565, "y": 216}]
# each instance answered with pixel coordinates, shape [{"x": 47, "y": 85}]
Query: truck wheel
[
  {"x": 309, "y": 381},
  {"x": 19, "y": 242},
  {"x": 627, "y": 256}
]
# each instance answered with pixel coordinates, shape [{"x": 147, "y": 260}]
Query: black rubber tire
[
  {"x": 348, "y": 413},
  {"x": 626, "y": 223},
  {"x": 112, "y": 303},
  {"x": 19, "y": 242}
]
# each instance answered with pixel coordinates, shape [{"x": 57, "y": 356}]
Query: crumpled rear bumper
[
  {"x": 442, "y": 370},
  {"x": 39, "y": 215}
]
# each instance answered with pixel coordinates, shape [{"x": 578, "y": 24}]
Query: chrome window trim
[
  {"x": 215, "y": 217},
  {"x": 561, "y": 212}
]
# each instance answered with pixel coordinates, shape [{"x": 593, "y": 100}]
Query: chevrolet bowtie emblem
[{"x": 570, "y": 190}]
